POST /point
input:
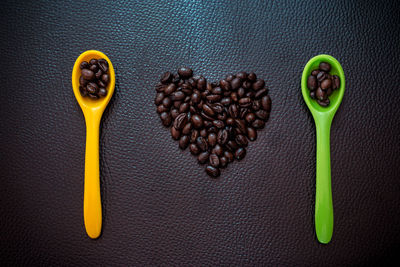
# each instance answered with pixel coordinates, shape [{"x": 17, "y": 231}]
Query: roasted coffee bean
[
  {"x": 186, "y": 89},
  {"x": 223, "y": 137},
  {"x": 321, "y": 76},
  {"x": 187, "y": 129},
  {"x": 194, "y": 135},
  {"x": 324, "y": 103},
  {"x": 231, "y": 146},
  {"x": 329, "y": 91},
  {"x": 92, "y": 88},
  {"x": 166, "y": 77},
  {"x": 233, "y": 111},
  {"x": 212, "y": 171},
  {"x": 312, "y": 83},
  {"x": 240, "y": 153},
  {"x": 212, "y": 139},
  {"x": 178, "y": 96},
  {"x": 180, "y": 121},
  {"x": 177, "y": 104},
  {"x": 320, "y": 94},
  {"x": 226, "y": 101},
  {"x": 247, "y": 85},
  {"x": 241, "y": 140},
  {"x": 312, "y": 95},
  {"x": 161, "y": 109},
  {"x": 241, "y": 75},
  {"x": 260, "y": 93},
  {"x": 159, "y": 98},
  {"x": 100, "y": 83},
  {"x": 266, "y": 103},
  {"x": 82, "y": 81},
  {"x": 229, "y": 77},
  {"x": 84, "y": 65},
  {"x": 262, "y": 114},
  {"x": 83, "y": 91},
  {"x": 245, "y": 102},
  {"x": 194, "y": 149},
  {"x": 103, "y": 65},
  {"x": 98, "y": 74},
  {"x": 160, "y": 87},
  {"x": 325, "y": 66},
  {"x": 206, "y": 117},
  {"x": 219, "y": 124},
  {"x": 196, "y": 98},
  {"x": 175, "y": 133},
  {"x": 203, "y": 133},
  {"x": 315, "y": 73},
  {"x": 93, "y": 96},
  {"x": 241, "y": 126},
  {"x": 256, "y": 105},
  {"x": 251, "y": 134},
  {"x": 213, "y": 98},
  {"x": 243, "y": 112},
  {"x": 201, "y": 84},
  {"x": 252, "y": 77},
  {"x": 214, "y": 160},
  {"x": 185, "y": 73},
  {"x": 184, "y": 142},
  {"x": 87, "y": 74},
  {"x": 184, "y": 107},
  {"x": 325, "y": 84},
  {"x": 167, "y": 102},
  {"x": 250, "y": 117},
  {"x": 93, "y": 61},
  {"x": 197, "y": 121},
  {"x": 229, "y": 156},
  {"x": 208, "y": 110},
  {"x": 218, "y": 150},
  {"x": 170, "y": 89},
  {"x": 202, "y": 143},
  {"x": 223, "y": 162},
  {"x": 217, "y": 91},
  {"x": 203, "y": 157},
  {"x": 212, "y": 129},
  {"x": 105, "y": 78},
  {"x": 218, "y": 108},
  {"x": 258, "y": 124},
  {"x": 259, "y": 84},
  {"x": 236, "y": 83},
  {"x": 102, "y": 91},
  {"x": 336, "y": 82},
  {"x": 225, "y": 85},
  {"x": 230, "y": 121},
  {"x": 234, "y": 97},
  {"x": 222, "y": 116},
  {"x": 241, "y": 92},
  {"x": 94, "y": 68}
]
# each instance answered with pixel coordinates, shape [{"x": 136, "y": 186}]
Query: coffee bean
[
  {"x": 203, "y": 133},
  {"x": 260, "y": 93},
  {"x": 166, "y": 77},
  {"x": 226, "y": 101},
  {"x": 250, "y": 117},
  {"x": 180, "y": 121},
  {"x": 178, "y": 96},
  {"x": 208, "y": 110},
  {"x": 222, "y": 117},
  {"x": 242, "y": 75},
  {"x": 212, "y": 171},
  {"x": 325, "y": 84},
  {"x": 312, "y": 83},
  {"x": 312, "y": 95},
  {"x": 219, "y": 124},
  {"x": 230, "y": 121},
  {"x": 214, "y": 160},
  {"x": 93, "y": 61},
  {"x": 218, "y": 108},
  {"x": 258, "y": 124},
  {"x": 324, "y": 66},
  {"x": 177, "y": 104},
  {"x": 241, "y": 140},
  {"x": 93, "y": 96},
  {"x": 202, "y": 143},
  {"x": 187, "y": 129},
  {"x": 197, "y": 121},
  {"x": 251, "y": 134},
  {"x": 324, "y": 103},
  {"x": 245, "y": 102},
  {"x": 94, "y": 68},
  {"x": 83, "y": 91},
  {"x": 223, "y": 162},
  {"x": 217, "y": 91},
  {"x": 222, "y": 137},
  {"x": 212, "y": 139},
  {"x": 170, "y": 89},
  {"x": 84, "y": 65},
  {"x": 234, "y": 97},
  {"x": 175, "y": 133},
  {"x": 241, "y": 92},
  {"x": 225, "y": 85},
  {"x": 87, "y": 74},
  {"x": 82, "y": 81},
  {"x": 92, "y": 88},
  {"x": 218, "y": 150},
  {"x": 262, "y": 114},
  {"x": 159, "y": 98},
  {"x": 184, "y": 107},
  {"x": 193, "y": 149},
  {"x": 213, "y": 98},
  {"x": 336, "y": 82},
  {"x": 315, "y": 73},
  {"x": 102, "y": 91},
  {"x": 161, "y": 109},
  {"x": 329, "y": 91},
  {"x": 259, "y": 84},
  {"x": 252, "y": 77},
  {"x": 256, "y": 105},
  {"x": 105, "y": 78},
  {"x": 196, "y": 98},
  {"x": 320, "y": 94},
  {"x": 167, "y": 102},
  {"x": 203, "y": 157},
  {"x": 229, "y": 156},
  {"x": 321, "y": 76},
  {"x": 212, "y": 129},
  {"x": 241, "y": 125},
  {"x": 160, "y": 87},
  {"x": 233, "y": 111},
  {"x": 194, "y": 135},
  {"x": 184, "y": 142},
  {"x": 240, "y": 153},
  {"x": 247, "y": 85},
  {"x": 100, "y": 83},
  {"x": 98, "y": 74},
  {"x": 266, "y": 103},
  {"x": 103, "y": 65},
  {"x": 229, "y": 77},
  {"x": 201, "y": 84},
  {"x": 243, "y": 112},
  {"x": 236, "y": 83},
  {"x": 206, "y": 117},
  {"x": 185, "y": 72},
  {"x": 231, "y": 146}
]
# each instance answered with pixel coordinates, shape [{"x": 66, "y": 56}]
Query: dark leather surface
[{"x": 160, "y": 208}]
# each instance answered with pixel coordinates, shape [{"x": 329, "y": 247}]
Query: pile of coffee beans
[
  {"x": 321, "y": 84},
  {"x": 94, "y": 78},
  {"x": 215, "y": 120}
]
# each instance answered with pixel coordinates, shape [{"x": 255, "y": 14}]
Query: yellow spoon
[{"x": 92, "y": 110}]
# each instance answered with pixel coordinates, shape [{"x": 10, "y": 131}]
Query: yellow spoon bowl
[{"x": 92, "y": 110}]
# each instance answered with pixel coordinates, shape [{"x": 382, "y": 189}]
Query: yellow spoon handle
[{"x": 92, "y": 200}]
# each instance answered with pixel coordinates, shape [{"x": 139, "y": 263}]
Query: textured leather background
[{"x": 160, "y": 208}]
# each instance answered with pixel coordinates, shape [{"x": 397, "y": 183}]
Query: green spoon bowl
[{"x": 323, "y": 117}]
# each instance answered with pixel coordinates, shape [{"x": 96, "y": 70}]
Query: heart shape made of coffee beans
[{"x": 215, "y": 120}]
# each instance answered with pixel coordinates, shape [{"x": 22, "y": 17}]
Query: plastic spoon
[
  {"x": 323, "y": 118},
  {"x": 92, "y": 110}
]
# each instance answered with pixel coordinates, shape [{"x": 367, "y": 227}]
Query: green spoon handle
[{"x": 323, "y": 195}]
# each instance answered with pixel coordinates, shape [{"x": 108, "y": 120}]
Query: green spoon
[{"x": 323, "y": 119}]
